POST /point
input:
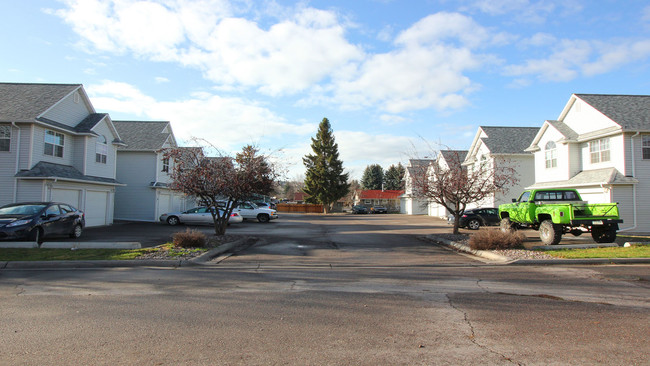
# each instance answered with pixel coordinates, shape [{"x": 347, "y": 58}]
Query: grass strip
[
  {"x": 40, "y": 254},
  {"x": 635, "y": 251}
]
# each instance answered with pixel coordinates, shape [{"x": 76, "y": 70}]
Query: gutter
[
  {"x": 634, "y": 193},
  {"x": 55, "y": 179}
]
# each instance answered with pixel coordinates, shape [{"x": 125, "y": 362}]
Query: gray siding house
[
  {"x": 141, "y": 165},
  {"x": 55, "y": 147}
]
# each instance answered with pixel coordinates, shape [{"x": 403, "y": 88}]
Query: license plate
[{"x": 599, "y": 222}]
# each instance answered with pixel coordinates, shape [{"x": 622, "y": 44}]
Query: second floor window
[
  {"x": 646, "y": 147},
  {"x": 550, "y": 155},
  {"x": 101, "y": 150},
  {"x": 165, "y": 165},
  {"x": 5, "y": 137},
  {"x": 599, "y": 150},
  {"x": 54, "y": 144}
]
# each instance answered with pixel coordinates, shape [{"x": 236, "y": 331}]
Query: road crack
[{"x": 472, "y": 336}]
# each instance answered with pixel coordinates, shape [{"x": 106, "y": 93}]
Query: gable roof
[
  {"x": 631, "y": 112},
  {"x": 46, "y": 170},
  {"x": 508, "y": 140},
  {"x": 144, "y": 135},
  {"x": 20, "y": 102},
  {"x": 569, "y": 135},
  {"x": 454, "y": 157},
  {"x": 378, "y": 194}
]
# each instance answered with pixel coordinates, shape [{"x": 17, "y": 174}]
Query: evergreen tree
[
  {"x": 394, "y": 177},
  {"x": 373, "y": 177},
  {"x": 325, "y": 182}
]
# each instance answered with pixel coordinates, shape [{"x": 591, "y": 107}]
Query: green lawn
[
  {"x": 635, "y": 251},
  {"x": 37, "y": 254}
]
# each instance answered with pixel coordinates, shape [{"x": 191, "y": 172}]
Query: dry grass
[
  {"x": 189, "y": 239},
  {"x": 496, "y": 239}
]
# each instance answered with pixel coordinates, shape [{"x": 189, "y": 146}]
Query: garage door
[
  {"x": 96, "y": 207},
  {"x": 69, "y": 196}
]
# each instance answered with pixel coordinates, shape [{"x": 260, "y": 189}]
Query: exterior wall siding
[
  {"x": 561, "y": 171},
  {"x": 8, "y": 167},
  {"x": 616, "y": 151},
  {"x": 30, "y": 190},
  {"x": 94, "y": 168},
  {"x": 625, "y": 197},
  {"x": 68, "y": 111},
  {"x": 25, "y": 146},
  {"x": 583, "y": 118},
  {"x": 136, "y": 200},
  {"x": 38, "y": 153}
]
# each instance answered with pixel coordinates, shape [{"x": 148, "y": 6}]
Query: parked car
[
  {"x": 359, "y": 209},
  {"x": 249, "y": 210},
  {"x": 37, "y": 220},
  {"x": 378, "y": 209},
  {"x": 197, "y": 216},
  {"x": 477, "y": 217},
  {"x": 269, "y": 205}
]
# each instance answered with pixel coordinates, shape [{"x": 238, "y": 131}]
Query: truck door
[{"x": 522, "y": 213}]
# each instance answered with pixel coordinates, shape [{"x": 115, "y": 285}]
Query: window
[
  {"x": 646, "y": 147},
  {"x": 599, "y": 150},
  {"x": 550, "y": 155},
  {"x": 101, "y": 150},
  {"x": 54, "y": 144},
  {"x": 524, "y": 196},
  {"x": 5, "y": 137},
  {"x": 165, "y": 165}
]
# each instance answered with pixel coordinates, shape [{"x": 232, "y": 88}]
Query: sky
[{"x": 396, "y": 79}]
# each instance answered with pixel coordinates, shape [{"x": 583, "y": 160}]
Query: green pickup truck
[{"x": 557, "y": 211}]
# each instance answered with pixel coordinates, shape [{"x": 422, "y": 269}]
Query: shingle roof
[
  {"x": 142, "y": 135},
  {"x": 508, "y": 140},
  {"x": 65, "y": 172},
  {"x": 378, "y": 194},
  {"x": 591, "y": 177},
  {"x": 24, "y": 102},
  {"x": 454, "y": 156},
  {"x": 565, "y": 130},
  {"x": 631, "y": 112}
]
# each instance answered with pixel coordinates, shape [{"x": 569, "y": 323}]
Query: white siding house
[
  {"x": 55, "y": 147},
  {"x": 496, "y": 146},
  {"x": 600, "y": 145},
  {"x": 410, "y": 203},
  {"x": 142, "y": 167},
  {"x": 447, "y": 159}
]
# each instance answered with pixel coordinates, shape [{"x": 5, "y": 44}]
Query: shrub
[
  {"x": 496, "y": 239},
  {"x": 189, "y": 239}
]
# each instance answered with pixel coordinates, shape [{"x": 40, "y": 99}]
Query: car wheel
[
  {"x": 76, "y": 231},
  {"x": 473, "y": 224},
  {"x": 173, "y": 220},
  {"x": 550, "y": 233},
  {"x": 263, "y": 218},
  {"x": 36, "y": 235}
]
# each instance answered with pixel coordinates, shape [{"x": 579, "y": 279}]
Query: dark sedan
[
  {"x": 359, "y": 209},
  {"x": 36, "y": 220},
  {"x": 477, "y": 217}
]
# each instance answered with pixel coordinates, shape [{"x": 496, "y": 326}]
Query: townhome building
[
  {"x": 141, "y": 164},
  {"x": 599, "y": 145},
  {"x": 54, "y": 146},
  {"x": 496, "y": 148},
  {"x": 410, "y": 202},
  {"x": 449, "y": 160}
]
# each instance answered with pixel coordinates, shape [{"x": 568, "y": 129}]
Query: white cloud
[
  {"x": 227, "y": 123},
  {"x": 525, "y": 11},
  {"x": 574, "y": 58},
  {"x": 161, "y": 80}
]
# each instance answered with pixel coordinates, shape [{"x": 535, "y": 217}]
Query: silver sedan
[{"x": 196, "y": 216}]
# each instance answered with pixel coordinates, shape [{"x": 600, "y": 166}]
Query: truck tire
[
  {"x": 603, "y": 234},
  {"x": 507, "y": 226},
  {"x": 550, "y": 233}
]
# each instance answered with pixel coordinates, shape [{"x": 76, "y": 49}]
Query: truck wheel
[
  {"x": 603, "y": 235},
  {"x": 506, "y": 226},
  {"x": 473, "y": 224},
  {"x": 550, "y": 233}
]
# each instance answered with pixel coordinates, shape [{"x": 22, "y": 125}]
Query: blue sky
[{"x": 395, "y": 78}]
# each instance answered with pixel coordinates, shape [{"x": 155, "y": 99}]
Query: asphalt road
[{"x": 360, "y": 290}]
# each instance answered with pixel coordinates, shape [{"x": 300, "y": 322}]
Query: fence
[{"x": 296, "y": 207}]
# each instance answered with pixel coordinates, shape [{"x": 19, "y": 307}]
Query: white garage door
[
  {"x": 96, "y": 208},
  {"x": 69, "y": 196}
]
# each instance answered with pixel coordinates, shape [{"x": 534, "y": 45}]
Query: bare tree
[
  {"x": 220, "y": 182},
  {"x": 450, "y": 184}
]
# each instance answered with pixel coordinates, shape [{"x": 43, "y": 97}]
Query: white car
[
  {"x": 196, "y": 216},
  {"x": 249, "y": 210}
]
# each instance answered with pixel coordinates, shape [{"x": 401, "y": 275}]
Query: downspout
[
  {"x": 634, "y": 206},
  {"x": 17, "y": 162}
]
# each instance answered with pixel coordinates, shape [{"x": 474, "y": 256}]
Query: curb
[
  {"x": 536, "y": 262},
  {"x": 198, "y": 261}
]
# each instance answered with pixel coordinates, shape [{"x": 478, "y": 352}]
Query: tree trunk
[{"x": 456, "y": 222}]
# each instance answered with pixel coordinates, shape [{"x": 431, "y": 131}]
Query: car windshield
[{"x": 21, "y": 210}]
